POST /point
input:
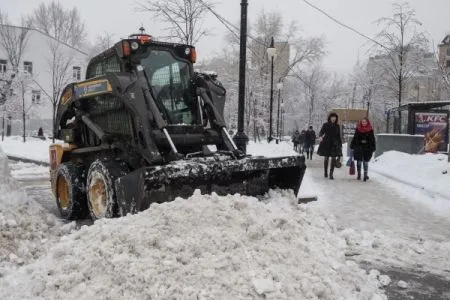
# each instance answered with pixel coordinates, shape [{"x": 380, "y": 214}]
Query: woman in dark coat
[
  {"x": 330, "y": 143},
  {"x": 363, "y": 146}
]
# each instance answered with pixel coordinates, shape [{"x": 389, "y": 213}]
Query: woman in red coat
[{"x": 363, "y": 146}]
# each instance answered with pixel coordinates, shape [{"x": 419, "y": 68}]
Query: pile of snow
[
  {"x": 271, "y": 150},
  {"x": 26, "y": 230},
  {"x": 33, "y": 148},
  {"x": 429, "y": 172},
  {"x": 205, "y": 247}
]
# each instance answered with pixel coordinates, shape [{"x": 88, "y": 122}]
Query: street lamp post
[
  {"x": 271, "y": 53},
  {"x": 241, "y": 138},
  {"x": 279, "y": 87}
]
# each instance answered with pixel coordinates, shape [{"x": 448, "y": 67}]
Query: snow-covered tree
[
  {"x": 184, "y": 18},
  {"x": 63, "y": 24},
  {"x": 101, "y": 43},
  {"x": 13, "y": 40},
  {"x": 402, "y": 51}
]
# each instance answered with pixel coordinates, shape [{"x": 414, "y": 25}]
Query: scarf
[{"x": 366, "y": 128}]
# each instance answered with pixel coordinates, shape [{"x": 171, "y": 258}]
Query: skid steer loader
[{"x": 145, "y": 128}]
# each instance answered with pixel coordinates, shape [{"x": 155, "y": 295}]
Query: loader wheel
[
  {"x": 70, "y": 195},
  {"x": 101, "y": 193}
]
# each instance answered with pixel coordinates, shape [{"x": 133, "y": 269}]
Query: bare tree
[
  {"x": 102, "y": 42},
  {"x": 183, "y": 17},
  {"x": 65, "y": 25},
  {"x": 59, "y": 64},
  {"x": 403, "y": 49},
  {"x": 13, "y": 40}
]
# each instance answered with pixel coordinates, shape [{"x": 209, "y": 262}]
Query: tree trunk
[
  {"x": 23, "y": 114},
  {"x": 400, "y": 85},
  {"x": 54, "y": 121}
]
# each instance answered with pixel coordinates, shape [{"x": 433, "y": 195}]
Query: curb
[
  {"x": 27, "y": 160},
  {"x": 416, "y": 186}
]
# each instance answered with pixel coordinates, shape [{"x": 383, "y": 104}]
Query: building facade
[
  {"x": 444, "y": 54},
  {"x": 42, "y": 54}
]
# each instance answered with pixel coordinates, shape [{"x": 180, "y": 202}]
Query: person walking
[
  {"x": 295, "y": 139},
  {"x": 363, "y": 146},
  {"x": 301, "y": 141},
  {"x": 330, "y": 143},
  {"x": 310, "y": 142}
]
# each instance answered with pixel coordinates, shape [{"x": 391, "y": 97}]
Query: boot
[
  {"x": 366, "y": 170},
  {"x": 333, "y": 163},
  {"x": 310, "y": 154},
  {"x": 358, "y": 169},
  {"x": 325, "y": 167}
]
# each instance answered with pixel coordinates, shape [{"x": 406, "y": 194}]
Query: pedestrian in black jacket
[
  {"x": 330, "y": 143},
  {"x": 301, "y": 141},
  {"x": 363, "y": 146},
  {"x": 310, "y": 141}
]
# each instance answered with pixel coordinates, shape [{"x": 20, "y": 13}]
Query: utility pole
[{"x": 241, "y": 138}]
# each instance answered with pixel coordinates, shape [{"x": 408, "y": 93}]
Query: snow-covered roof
[
  {"x": 430, "y": 104},
  {"x": 446, "y": 40}
]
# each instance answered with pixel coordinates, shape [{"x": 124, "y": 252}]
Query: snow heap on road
[
  {"x": 271, "y": 150},
  {"x": 205, "y": 247},
  {"x": 33, "y": 148},
  {"x": 25, "y": 227}
]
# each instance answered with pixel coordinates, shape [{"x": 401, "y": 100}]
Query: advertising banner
[
  {"x": 348, "y": 129},
  {"x": 434, "y": 126}
]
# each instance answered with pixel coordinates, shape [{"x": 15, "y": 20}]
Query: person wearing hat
[{"x": 330, "y": 144}]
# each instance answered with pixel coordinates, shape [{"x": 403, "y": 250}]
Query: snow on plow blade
[{"x": 248, "y": 176}]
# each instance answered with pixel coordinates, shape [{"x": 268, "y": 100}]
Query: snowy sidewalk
[{"x": 381, "y": 223}]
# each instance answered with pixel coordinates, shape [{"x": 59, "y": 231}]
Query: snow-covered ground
[
  {"x": 429, "y": 172},
  {"x": 26, "y": 229},
  {"x": 233, "y": 247},
  {"x": 205, "y": 247},
  {"x": 33, "y": 148}
]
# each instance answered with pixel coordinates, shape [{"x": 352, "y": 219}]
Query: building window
[
  {"x": 28, "y": 67},
  {"x": 448, "y": 51},
  {"x": 448, "y": 63},
  {"x": 76, "y": 73},
  {"x": 3, "y": 64},
  {"x": 36, "y": 97}
]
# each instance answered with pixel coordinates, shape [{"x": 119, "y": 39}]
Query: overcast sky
[{"x": 121, "y": 18}]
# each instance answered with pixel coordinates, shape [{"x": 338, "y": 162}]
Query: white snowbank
[
  {"x": 271, "y": 150},
  {"x": 205, "y": 247},
  {"x": 28, "y": 171},
  {"x": 429, "y": 172},
  {"x": 26, "y": 229},
  {"x": 33, "y": 148}
]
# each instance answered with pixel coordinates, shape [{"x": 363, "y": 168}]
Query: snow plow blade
[{"x": 250, "y": 176}]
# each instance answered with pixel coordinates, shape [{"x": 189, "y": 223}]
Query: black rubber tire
[
  {"x": 108, "y": 172},
  {"x": 74, "y": 175}
]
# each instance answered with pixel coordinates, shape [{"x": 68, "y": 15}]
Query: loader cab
[{"x": 168, "y": 69}]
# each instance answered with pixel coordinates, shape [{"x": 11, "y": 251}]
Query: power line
[{"x": 345, "y": 25}]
